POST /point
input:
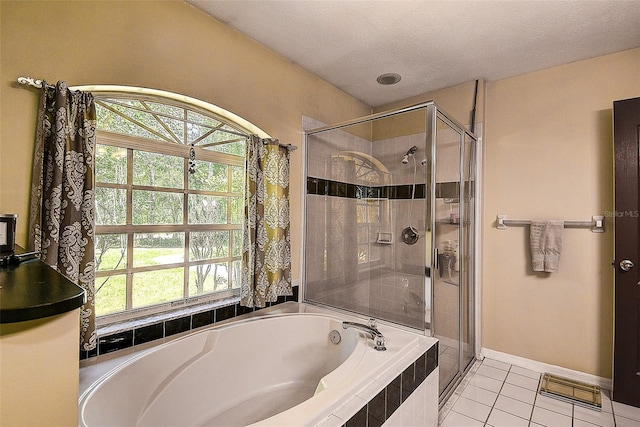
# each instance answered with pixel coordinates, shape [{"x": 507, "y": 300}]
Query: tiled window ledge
[{"x": 121, "y": 335}]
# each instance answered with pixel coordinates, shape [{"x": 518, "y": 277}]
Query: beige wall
[
  {"x": 162, "y": 45},
  {"x": 548, "y": 154}
]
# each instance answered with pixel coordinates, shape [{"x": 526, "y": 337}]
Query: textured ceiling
[{"x": 431, "y": 43}]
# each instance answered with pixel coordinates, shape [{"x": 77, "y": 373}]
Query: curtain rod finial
[{"x": 30, "y": 81}]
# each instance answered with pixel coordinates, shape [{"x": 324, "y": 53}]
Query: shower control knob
[{"x": 626, "y": 265}]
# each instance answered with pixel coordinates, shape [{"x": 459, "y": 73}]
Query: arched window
[{"x": 169, "y": 204}]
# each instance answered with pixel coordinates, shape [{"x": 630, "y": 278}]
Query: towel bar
[{"x": 596, "y": 224}]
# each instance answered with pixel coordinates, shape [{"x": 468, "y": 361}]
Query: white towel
[{"x": 546, "y": 245}]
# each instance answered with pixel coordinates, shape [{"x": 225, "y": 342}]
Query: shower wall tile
[
  {"x": 390, "y": 152},
  {"x": 312, "y": 184},
  {"x": 387, "y": 292}
]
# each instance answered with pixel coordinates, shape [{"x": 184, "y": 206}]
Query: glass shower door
[
  {"x": 366, "y": 218},
  {"x": 452, "y": 275}
]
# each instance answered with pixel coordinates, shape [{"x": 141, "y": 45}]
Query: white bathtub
[{"x": 271, "y": 369}]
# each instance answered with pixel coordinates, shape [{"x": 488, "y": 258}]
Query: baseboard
[{"x": 605, "y": 383}]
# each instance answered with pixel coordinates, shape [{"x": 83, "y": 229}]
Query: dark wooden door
[{"x": 626, "y": 359}]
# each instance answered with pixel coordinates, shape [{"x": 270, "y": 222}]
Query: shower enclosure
[{"x": 390, "y": 225}]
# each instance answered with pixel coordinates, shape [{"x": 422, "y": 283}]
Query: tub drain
[{"x": 335, "y": 337}]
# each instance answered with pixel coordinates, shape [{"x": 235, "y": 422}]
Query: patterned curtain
[
  {"x": 62, "y": 217},
  {"x": 266, "y": 253}
]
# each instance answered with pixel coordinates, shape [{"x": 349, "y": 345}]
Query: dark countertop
[{"x": 33, "y": 290}]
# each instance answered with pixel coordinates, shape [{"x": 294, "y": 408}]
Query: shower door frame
[{"x": 472, "y": 252}]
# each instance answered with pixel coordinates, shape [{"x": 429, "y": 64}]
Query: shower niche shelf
[{"x": 384, "y": 238}]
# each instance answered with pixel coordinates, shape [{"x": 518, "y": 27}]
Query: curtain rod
[
  {"x": 289, "y": 147},
  {"x": 37, "y": 83}
]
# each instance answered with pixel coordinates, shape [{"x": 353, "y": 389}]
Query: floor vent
[{"x": 576, "y": 392}]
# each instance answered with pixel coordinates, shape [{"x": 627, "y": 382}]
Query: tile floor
[{"x": 497, "y": 394}]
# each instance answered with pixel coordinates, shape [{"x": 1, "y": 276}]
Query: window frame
[{"x": 182, "y": 150}]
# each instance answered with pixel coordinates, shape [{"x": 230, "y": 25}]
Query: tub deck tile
[{"x": 381, "y": 404}]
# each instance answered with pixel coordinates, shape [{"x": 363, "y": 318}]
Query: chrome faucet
[{"x": 371, "y": 329}]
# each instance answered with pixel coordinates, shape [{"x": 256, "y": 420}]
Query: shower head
[{"x": 410, "y": 151}]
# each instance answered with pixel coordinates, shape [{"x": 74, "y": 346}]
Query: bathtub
[{"x": 273, "y": 368}]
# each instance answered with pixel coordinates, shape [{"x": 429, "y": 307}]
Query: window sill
[{"x": 163, "y": 316}]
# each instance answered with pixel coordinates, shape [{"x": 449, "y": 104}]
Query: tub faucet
[{"x": 371, "y": 329}]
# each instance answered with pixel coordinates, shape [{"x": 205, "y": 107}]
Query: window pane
[
  {"x": 208, "y": 278},
  {"x": 203, "y": 120},
  {"x": 176, "y": 126},
  {"x": 146, "y": 119},
  {"x": 111, "y": 294},
  {"x": 111, "y": 206},
  {"x": 237, "y": 179},
  {"x": 111, "y": 251},
  {"x": 236, "y": 148},
  {"x": 236, "y": 274},
  {"x": 158, "y": 170},
  {"x": 155, "y": 287},
  {"x": 207, "y": 209},
  {"x": 156, "y": 207},
  {"x": 208, "y": 245},
  {"x": 111, "y": 164},
  {"x": 170, "y": 110},
  {"x": 199, "y": 135},
  {"x": 209, "y": 176},
  {"x": 123, "y": 120},
  {"x": 237, "y": 243},
  {"x": 157, "y": 248},
  {"x": 237, "y": 210}
]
